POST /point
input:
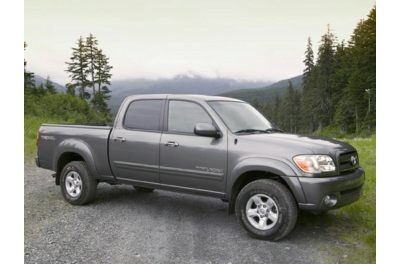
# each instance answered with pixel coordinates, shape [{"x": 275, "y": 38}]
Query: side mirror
[{"x": 206, "y": 130}]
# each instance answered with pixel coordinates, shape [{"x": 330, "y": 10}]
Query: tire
[
  {"x": 73, "y": 175},
  {"x": 279, "y": 216},
  {"x": 143, "y": 189}
]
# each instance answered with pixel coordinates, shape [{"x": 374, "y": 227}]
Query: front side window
[
  {"x": 183, "y": 116},
  {"x": 144, "y": 115}
]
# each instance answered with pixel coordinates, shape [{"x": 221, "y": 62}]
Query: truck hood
[{"x": 289, "y": 145}]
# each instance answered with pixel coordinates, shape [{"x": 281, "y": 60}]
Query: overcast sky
[{"x": 262, "y": 40}]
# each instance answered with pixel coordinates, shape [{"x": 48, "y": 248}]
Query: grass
[
  {"x": 31, "y": 126},
  {"x": 353, "y": 227},
  {"x": 360, "y": 217}
]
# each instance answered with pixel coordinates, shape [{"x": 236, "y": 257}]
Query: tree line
[{"x": 339, "y": 86}]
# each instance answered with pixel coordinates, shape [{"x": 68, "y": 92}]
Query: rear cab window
[{"x": 144, "y": 115}]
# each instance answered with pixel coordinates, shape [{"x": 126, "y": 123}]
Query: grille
[{"x": 346, "y": 164}]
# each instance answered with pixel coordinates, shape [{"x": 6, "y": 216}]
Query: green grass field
[
  {"x": 359, "y": 219},
  {"x": 353, "y": 226},
  {"x": 31, "y": 126}
]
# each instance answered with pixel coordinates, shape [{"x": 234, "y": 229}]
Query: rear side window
[
  {"x": 144, "y": 114},
  {"x": 183, "y": 116}
]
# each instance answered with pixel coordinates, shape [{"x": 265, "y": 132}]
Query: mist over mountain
[{"x": 180, "y": 84}]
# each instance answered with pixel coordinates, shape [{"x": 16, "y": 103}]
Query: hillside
[
  {"x": 188, "y": 84},
  {"x": 265, "y": 94},
  {"x": 40, "y": 80}
]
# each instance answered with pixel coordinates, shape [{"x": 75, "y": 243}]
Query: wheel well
[
  {"x": 64, "y": 159},
  {"x": 248, "y": 177}
]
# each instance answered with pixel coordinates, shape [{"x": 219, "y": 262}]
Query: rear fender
[{"x": 79, "y": 147}]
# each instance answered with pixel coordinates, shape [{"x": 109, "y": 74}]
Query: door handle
[
  {"x": 172, "y": 144},
  {"x": 120, "y": 139}
]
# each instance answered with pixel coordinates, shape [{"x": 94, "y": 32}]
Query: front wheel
[
  {"x": 266, "y": 209},
  {"x": 77, "y": 185}
]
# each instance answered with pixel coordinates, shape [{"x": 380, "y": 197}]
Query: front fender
[
  {"x": 79, "y": 147},
  {"x": 270, "y": 165}
]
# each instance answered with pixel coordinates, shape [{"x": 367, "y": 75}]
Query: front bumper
[{"x": 346, "y": 188}]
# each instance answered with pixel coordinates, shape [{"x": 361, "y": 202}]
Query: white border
[
  {"x": 388, "y": 131},
  {"x": 12, "y": 144}
]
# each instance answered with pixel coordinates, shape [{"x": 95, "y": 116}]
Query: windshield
[{"x": 240, "y": 116}]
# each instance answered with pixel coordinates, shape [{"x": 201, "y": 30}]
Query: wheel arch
[
  {"x": 259, "y": 168},
  {"x": 73, "y": 150}
]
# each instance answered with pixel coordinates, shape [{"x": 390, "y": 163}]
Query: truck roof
[{"x": 197, "y": 97}]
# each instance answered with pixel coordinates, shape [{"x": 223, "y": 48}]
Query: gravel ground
[{"x": 124, "y": 226}]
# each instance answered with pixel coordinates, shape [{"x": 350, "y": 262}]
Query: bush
[
  {"x": 55, "y": 108},
  {"x": 64, "y": 107}
]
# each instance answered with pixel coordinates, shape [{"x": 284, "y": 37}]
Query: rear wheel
[
  {"x": 77, "y": 185},
  {"x": 266, "y": 209},
  {"x": 143, "y": 189}
]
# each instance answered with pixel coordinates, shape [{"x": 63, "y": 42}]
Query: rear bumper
[{"x": 346, "y": 189}]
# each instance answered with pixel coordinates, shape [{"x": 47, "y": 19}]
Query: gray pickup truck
[{"x": 214, "y": 146}]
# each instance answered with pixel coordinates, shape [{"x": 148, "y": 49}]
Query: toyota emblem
[{"x": 353, "y": 160}]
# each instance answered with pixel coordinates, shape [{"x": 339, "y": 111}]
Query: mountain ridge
[
  {"x": 180, "y": 84},
  {"x": 246, "y": 90},
  {"x": 41, "y": 80},
  {"x": 267, "y": 93}
]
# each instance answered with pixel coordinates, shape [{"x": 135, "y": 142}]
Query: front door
[
  {"x": 135, "y": 144},
  {"x": 188, "y": 160}
]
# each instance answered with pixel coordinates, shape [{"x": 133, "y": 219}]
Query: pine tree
[
  {"x": 296, "y": 111},
  {"x": 49, "y": 86},
  {"x": 308, "y": 103},
  {"x": 325, "y": 73},
  {"x": 103, "y": 70},
  {"x": 290, "y": 109},
  {"x": 308, "y": 61},
  {"x": 89, "y": 67},
  {"x": 40, "y": 90},
  {"x": 357, "y": 109},
  {"x": 70, "y": 89},
  {"x": 92, "y": 57},
  {"x": 78, "y": 69},
  {"x": 102, "y": 79},
  {"x": 277, "y": 115},
  {"x": 363, "y": 77}
]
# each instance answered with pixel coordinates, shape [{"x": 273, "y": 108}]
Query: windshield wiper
[
  {"x": 273, "y": 129},
  {"x": 251, "y": 130}
]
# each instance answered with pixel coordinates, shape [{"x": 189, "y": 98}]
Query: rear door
[
  {"x": 135, "y": 141},
  {"x": 188, "y": 160}
]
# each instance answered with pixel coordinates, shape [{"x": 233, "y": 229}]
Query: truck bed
[{"x": 53, "y": 139}]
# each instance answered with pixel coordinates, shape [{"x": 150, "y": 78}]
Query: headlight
[{"x": 314, "y": 163}]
